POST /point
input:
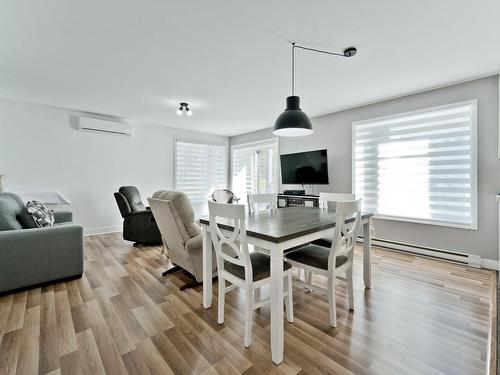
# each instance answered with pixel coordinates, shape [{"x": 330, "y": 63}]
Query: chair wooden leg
[
  {"x": 248, "y": 315},
  {"x": 222, "y": 295},
  {"x": 257, "y": 295},
  {"x": 289, "y": 297},
  {"x": 350, "y": 289},
  {"x": 331, "y": 300}
]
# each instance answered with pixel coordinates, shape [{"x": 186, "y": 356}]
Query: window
[
  {"x": 419, "y": 166},
  {"x": 200, "y": 169},
  {"x": 254, "y": 168}
]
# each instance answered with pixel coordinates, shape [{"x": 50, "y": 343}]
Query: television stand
[
  {"x": 294, "y": 192},
  {"x": 302, "y": 200}
]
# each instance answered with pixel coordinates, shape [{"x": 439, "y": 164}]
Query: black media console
[{"x": 288, "y": 200}]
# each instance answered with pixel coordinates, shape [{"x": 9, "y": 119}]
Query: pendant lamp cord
[
  {"x": 307, "y": 49},
  {"x": 293, "y": 68}
]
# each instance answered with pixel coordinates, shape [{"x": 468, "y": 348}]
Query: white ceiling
[{"x": 231, "y": 59}]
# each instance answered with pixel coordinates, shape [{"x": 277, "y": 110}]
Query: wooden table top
[{"x": 284, "y": 224}]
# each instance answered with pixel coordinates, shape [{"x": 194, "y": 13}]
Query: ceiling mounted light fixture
[
  {"x": 293, "y": 122},
  {"x": 184, "y": 107}
]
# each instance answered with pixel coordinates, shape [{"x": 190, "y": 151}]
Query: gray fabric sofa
[{"x": 29, "y": 255}]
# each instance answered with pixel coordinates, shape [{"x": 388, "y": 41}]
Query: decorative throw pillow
[{"x": 42, "y": 216}]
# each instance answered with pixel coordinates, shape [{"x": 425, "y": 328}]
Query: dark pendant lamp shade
[{"x": 292, "y": 122}]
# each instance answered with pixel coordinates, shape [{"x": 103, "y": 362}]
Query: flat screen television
[{"x": 309, "y": 167}]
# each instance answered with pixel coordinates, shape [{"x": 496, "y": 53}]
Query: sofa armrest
[
  {"x": 46, "y": 237},
  {"x": 39, "y": 255},
  {"x": 63, "y": 217}
]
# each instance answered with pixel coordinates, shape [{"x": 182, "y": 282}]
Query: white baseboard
[
  {"x": 468, "y": 259},
  {"x": 103, "y": 230},
  {"x": 490, "y": 264}
]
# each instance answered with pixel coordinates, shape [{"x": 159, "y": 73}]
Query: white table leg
[
  {"x": 207, "y": 268},
  {"x": 367, "y": 251},
  {"x": 277, "y": 329}
]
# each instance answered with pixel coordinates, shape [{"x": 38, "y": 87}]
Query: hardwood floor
[{"x": 422, "y": 317}]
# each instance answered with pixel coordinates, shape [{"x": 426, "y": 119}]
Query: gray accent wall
[{"x": 333, "y": 131}]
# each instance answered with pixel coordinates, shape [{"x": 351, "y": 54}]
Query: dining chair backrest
[
  {"x": 324, "y": 198},
  {"x": 232, "y": 248},
  {"x": 256, "y": 200},
  {"x": 223, "y": 196},
  {"x": 345, "y": 235}
]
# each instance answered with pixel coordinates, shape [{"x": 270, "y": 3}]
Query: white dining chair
[
  {"x": 269, "y": 201},
  {"x": 256, "y": 202},
  {"x": 243, "y": 269},
  {"x": 324, "y": 198},
  {"x": 336, "y": 260}
]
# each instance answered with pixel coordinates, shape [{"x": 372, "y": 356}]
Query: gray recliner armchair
[
  {"x": 181, "y": 235},
  {"x": 30, "y": 255}
]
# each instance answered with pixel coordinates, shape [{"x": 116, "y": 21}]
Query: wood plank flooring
[{"x": 422, "y": 317}]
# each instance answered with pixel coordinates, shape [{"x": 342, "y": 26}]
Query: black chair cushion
[
  {"x": 261, "y": 267},
  {"x": 325, "y": 242},
  {"x": 133, "y": 197},
  {"x": 315, "y": 256}
]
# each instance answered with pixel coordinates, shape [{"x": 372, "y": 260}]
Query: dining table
[{"x": 275, "y": 231}]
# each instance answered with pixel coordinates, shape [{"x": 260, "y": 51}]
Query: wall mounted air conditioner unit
[{"x": 94, "y": 125}]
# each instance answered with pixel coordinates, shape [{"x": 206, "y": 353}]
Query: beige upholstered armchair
[{"x": 181, "y": 236}]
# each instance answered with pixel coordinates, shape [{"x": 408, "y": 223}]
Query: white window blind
[
  {"x": 200, "y": 169},
  {"x": 419, "y": 166},
  {"x": 254, "y": 168}
]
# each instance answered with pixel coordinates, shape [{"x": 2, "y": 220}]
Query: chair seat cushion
[
  {"x": 261, "y": 267},
  {"x": 324, "y": 241},
  {"x": 315, "y": 256}
]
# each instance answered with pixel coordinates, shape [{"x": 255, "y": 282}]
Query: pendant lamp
[{"x": 293, "y": 122}]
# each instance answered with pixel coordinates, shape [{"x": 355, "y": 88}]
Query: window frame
[
  {"x": 183, "y": 140},
  {"x": 474, "y": 167},
  {"x": 252, "y": 145}
]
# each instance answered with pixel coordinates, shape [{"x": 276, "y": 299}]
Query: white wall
[
  {"x": 333, "y": 131},
  {"x": 40, "y": 149}
]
